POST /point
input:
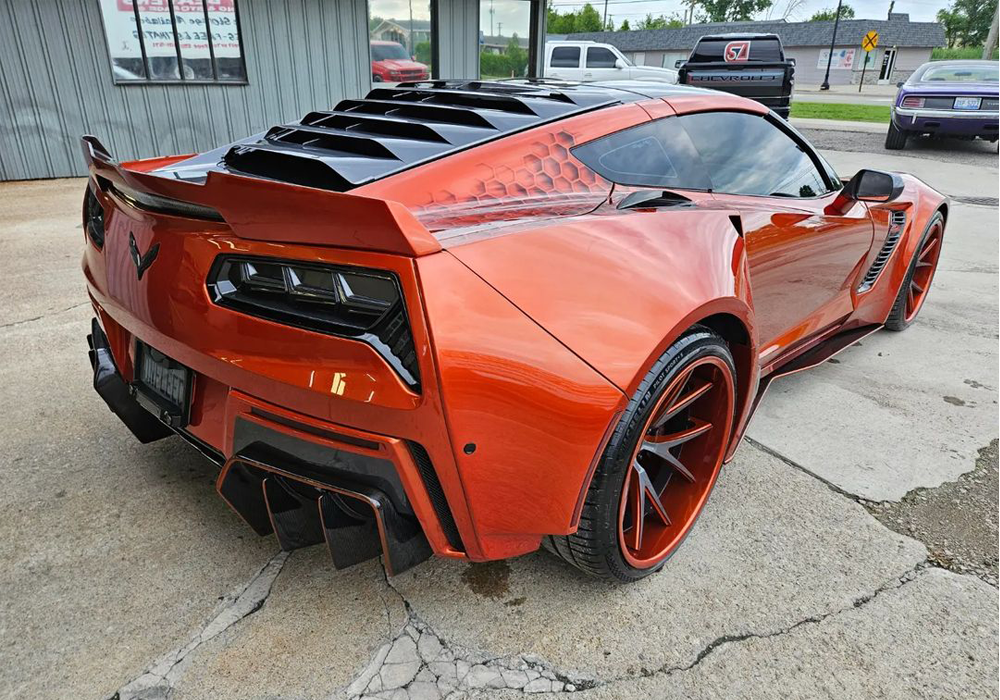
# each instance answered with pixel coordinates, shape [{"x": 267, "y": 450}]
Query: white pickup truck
[{"x": 586, "y": 61}]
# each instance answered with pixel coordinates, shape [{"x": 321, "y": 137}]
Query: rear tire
[
  {"x": 624, "y": 534},
  {"x": 919, "y": 276},
  {"x": 895, "y": 139}
]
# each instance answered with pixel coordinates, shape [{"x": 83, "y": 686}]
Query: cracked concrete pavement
[{"x": 126, "y": 576}]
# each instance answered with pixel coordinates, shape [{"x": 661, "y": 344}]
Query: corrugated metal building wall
[{"x": 56, "y": 83}]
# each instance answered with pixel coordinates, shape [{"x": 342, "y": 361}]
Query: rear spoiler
[{"x": 278, "y": 212}]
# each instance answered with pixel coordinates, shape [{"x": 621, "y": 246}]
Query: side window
[
  {"x": 654, "y": 154},
  {"x": 746, "y": 154},
  {"x": 600, "y": 57},
  {"x": 565, "y": 57}
]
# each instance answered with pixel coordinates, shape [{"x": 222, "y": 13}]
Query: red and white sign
[
  {"x": 737, "y": 52},
  {"x": 158, "y": 28}
]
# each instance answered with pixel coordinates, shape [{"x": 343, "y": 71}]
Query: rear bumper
[
  {"x": 946, "y": 122},
  {"x": 289, "y": 474}
]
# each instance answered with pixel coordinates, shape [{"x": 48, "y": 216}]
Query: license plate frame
[
  {"x": 162, "y": 385},
  {"x": 968, "y": 103}
]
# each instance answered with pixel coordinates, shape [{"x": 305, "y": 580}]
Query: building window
[
  {"x": 167, "y": 41},
  {"x": 401, "y": 41}
]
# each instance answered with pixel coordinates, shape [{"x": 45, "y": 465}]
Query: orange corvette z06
[{"x": 472, "y": 318}]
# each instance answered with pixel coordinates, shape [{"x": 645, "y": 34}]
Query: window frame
[
  {"x": 825, "y": 170},
  {"x": 215, "y": 80},
  {"x": 586, "y": 61},
  {"x": 552, "y": 54}
]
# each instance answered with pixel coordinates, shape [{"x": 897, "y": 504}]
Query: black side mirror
[
  {"x": 900, "y": 84},
  {"x": 874, "y": 186}
]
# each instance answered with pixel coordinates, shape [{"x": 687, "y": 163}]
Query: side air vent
[
  {"x": 93, "y": 218},
  {"x": 395, "y": 128},
  {"x": 436, "y": 494},
  {"x": 897, "y": 222}
]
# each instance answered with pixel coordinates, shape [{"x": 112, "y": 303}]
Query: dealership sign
[
  {"x": 158, "y": 28},
  {"x": 843, "y": 59}
]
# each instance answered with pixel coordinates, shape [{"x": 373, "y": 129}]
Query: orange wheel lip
[
  {"x": 726, "y": 372},
  {"x": 929, "y": 253}
]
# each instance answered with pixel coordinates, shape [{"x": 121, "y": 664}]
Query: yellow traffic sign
[{"x": 870, "y": 41}]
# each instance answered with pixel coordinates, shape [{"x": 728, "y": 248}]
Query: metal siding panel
[{"x": 56, "y": 83}]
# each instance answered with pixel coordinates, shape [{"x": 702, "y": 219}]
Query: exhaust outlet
[{"x": 356, "y": 521}]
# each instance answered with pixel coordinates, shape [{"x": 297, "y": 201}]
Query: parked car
[
  {"x": 749, "y": 65},
  {"x": 475, "y": 318},
  {"x": 586, "y": 61},
  {"x": 947, "y": 98},
  {"x": 391, "y": 63}
]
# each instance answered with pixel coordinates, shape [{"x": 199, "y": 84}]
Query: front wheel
[
  {"x": 660, "y": 464},
  {"x": 894, "y": 138},
  {"x": 916, "y": 284}
]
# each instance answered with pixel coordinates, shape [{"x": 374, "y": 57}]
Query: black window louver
[
  {"x": 436, "y": 494},
  {"x": 897, "y": 222},
  {"x": 93, "y": 218},
  {"x": 395, "y": 128}
]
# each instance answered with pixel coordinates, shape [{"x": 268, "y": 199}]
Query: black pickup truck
[{"x": 751, "y": 65}]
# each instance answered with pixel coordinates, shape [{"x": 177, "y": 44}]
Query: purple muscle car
[{"x": 946, "y": 98}]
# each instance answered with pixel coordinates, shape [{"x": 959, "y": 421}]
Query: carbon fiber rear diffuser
[{"x": 356, "y": 521}]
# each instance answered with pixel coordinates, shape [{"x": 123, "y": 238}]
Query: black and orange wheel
[
  {"x": 916, "y": 284},
  {"x": 660, "y": 464}
]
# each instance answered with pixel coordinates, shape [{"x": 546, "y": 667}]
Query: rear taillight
[
  {"x": 93, "y": 218},
  {"x": 366, "y": 305},
  {"x": 912, "y": 102}
]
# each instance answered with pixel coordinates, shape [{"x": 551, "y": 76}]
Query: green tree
[
  {"x": 625, "y": 26},
  {"x": 732, "y": 10},
  {"x": 373, "y": 22},
  {"x": 967, "y": 22},
  {"x": 589, "y": 19},
  {"x": 830, "y": 14},
  {"x": 561, "y": 23},
  {"x": 661, "y": 22}
]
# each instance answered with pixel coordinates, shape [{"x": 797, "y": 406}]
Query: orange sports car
[{"x": 474, "y": 318}]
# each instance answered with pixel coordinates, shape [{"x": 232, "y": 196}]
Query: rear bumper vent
[
  {"x": 897, "y": 222},
  {"x": 434, "y": 491}
]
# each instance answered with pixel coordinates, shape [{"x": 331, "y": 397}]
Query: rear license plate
[
  {"x": 164, "y": 381},
  {"x": 967, "y": 102}
]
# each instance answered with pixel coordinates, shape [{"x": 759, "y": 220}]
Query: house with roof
[
  {"x": 408, "y": 32},
  {"x": 902, "y": 47}
]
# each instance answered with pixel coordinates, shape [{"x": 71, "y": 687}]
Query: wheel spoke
[
  {"x": 924, "y": 264},
  {"x": 931, "y": 244},
  {"x": 910, "y": 302},
  {"x": 917, "y": 288},
  {"x": 681, "y": 403},
  {"x": 643, "y": 494},
  {"x": 661, "y": 445}
]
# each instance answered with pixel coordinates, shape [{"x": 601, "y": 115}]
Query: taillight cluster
[
  {"x": 912, "y": 102},
  {"x": 352, "y": 302},
  {"x": 93, "y": 218}
]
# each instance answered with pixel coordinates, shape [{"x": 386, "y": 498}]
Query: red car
[
  {"x": 391, "y": 63},
  {"x": 472, "y": 318}
]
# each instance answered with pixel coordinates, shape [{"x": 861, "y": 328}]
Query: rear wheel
[
  {"x": 919, "y": 276},
  {"x": 894, "y": 138},
  {"x": 660, "y": 464}
]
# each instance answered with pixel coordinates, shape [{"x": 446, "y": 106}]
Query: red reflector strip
[{"x": 913, "y": 102}]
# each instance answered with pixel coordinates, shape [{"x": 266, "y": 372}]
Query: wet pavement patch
[
  {"x": 957, "y": 520},
  {"x": 490, "y": 579}
]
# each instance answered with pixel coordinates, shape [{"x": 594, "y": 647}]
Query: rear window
[
  {"x": 957, "y": 73},
  {"x": 654, "y": 154},
  {"x": 565, "y": 57},
  {"x": 764, "y": 50}
]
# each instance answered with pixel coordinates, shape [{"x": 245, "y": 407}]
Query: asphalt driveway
[{"x": 819, "y": 568}]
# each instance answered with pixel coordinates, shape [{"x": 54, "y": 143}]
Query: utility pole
[
  {"x": 991, "y": 40},
  {"x": 888, "y": 15},
  {"x": 833, "y": 42},
  {"x": 491, "y": 19},
  {"x": 500, "y": 29},
  {"x": 605, "y": 27}
]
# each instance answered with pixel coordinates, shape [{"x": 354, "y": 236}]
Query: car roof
[
  {"x": 739, "y": 35},
  {"x": 396, "y": 128}
]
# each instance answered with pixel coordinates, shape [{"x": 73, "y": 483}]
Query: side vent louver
[
  {"x": 395, "y": 128},
  {"x": 897, "y": 222},
  {"x": 436, "y": 494}
]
